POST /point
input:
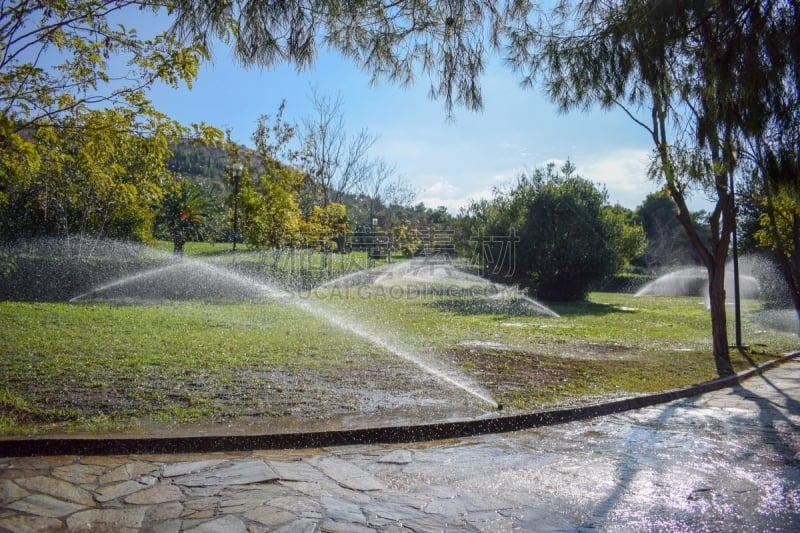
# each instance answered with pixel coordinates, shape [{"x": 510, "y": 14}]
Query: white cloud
[
  {"x": 453, "y": 197},
  {"x": 623, "y": 172}
]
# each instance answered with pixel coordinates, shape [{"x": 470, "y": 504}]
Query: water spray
[{"x": 329, "y": 315}]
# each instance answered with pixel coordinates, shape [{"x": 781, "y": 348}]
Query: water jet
[{"x": 192, "y": 278}]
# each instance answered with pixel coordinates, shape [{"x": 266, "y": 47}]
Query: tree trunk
[
  {"x": 178, "y": 246},
  {"x": 714, "y": 257},
  {"x": 719, "y": 322},
  {"x": 722, "y": 222}
]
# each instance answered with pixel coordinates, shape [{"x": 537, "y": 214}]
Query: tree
[
  {"x": 780, "y": 233},
  {"x": 569, "y": 237},
  {"x": 326, "y": 228},
  {"x": 95, "y": 176},
  {"x": 394, "y": 39},
  {"x": 182, "y": 213},
  {"x": 66, "y": 166},
  {"x": 775, "y": 158},
  {"x": 336, "y": 162},
  {"x": 376, "y": 189},
  {"x": 271, "y": 214},
  {"x": 627, "y": 235},
  {"x": 667, "y": 60},
  {"x": 59, "y": 56},
  {"x": 568, "y": 241}
]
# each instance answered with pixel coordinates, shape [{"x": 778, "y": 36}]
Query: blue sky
[{"x": 446, "y": 162}]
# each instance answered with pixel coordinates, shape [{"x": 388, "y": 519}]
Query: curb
[{"x": 35, "y": 446}]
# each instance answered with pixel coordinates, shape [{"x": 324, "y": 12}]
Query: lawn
[{"x": 97, "y": 365}]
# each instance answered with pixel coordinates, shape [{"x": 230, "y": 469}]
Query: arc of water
[
  {"x": 439, "y": 373},
  {"x": 316, "y": 310},
  {"x": 125, "y": 280}
]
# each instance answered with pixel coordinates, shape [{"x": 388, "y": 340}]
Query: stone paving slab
[{"x": 721, "y": 461}]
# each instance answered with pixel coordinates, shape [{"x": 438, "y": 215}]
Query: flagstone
[
  {"x": 342, "y": 511},
  {"x": 170, "y": 526},
  {"x": 228, "y": 524},
  {"x": 10, "y": 491},
  {"x": 127, "y": 471},
  {"x": 313, "y": 489},
  {"x": 44, "y": 505},
  {"x": 156, "y": 494},
  {"x": 490, "y": 521},
  {"x": 108, "y": 519},
  {"x": 203, "y": 492},
  {"x": 300, "y": 505},
  {"x": 330, "y": 526},
  {"x": 299, "y": 526},
  {"x": 397, "y": 457},
  {"x": 450, "y": 508},
  {"x": 202, "y": 503},
  {"x": 117, "y": 490},
  {"x": 188, "y": 467},
  {"x": 293, "y": 470},
  {"x": 19, "y": 474},
  {"x": 203, "y": 514},
  {"x": 240, "y": 505},
  {"x": 30, "y": 524},
  {"x": 347, "y": 474},
  {"x": 42, "y": 462},
  {"x": 78, "y": 473},
  {"x": 58, "y": 489},
  {"x": 233, "y": 474},
  {"x": 270, "y": 516},
  {"x": 165, "y": 511}
]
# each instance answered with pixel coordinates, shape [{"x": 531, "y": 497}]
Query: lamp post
[{"x": 236, "y": 174}]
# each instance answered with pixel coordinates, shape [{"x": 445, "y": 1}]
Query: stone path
[{"x": 728, "y": 460}]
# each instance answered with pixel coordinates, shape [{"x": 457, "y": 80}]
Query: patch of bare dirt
[{"x": 506, "y": 369}]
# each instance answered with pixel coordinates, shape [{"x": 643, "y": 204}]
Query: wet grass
[
  {"x": 97, "y": 365},
  {"x": 94, "y": 366},
  {"x": 611, "y": 345}
]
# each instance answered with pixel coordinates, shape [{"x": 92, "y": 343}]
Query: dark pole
[
  {"x": 237, "y": 176},
  {"x": 737, "y": 307}
]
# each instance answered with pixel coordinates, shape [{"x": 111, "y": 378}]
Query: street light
[{"x": 236, "y": 174}]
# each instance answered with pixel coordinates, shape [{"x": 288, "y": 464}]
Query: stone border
[{"x": 34, "y": 446}]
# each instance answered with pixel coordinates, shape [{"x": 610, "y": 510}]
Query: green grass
[
  {"x": 101, "y": 365},
  {"x": 198, "y": 249},
  {"x": 611, "y": 344},
  {"x": 97, "y": 366}
]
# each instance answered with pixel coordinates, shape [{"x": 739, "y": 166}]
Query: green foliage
[
  {"x": 96, "y": 176},
  {"x": 627, "y": 235},
  {"x": 270, "y": 204},
  {"x": 567, "y": 241},
  {"x": 778, "y": 231},
  {"x": 569, "y": 237},
  {"x": 442, "y": 40},
  {"x": 182, "y": 214},
  {"x": 326, "y": 227},
  {"x": 68, "y": 167},
  {"x": 270, "y": 213},
  {"x": 59, "y": 56}
]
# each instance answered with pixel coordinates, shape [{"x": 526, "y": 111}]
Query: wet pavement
[{"x": 722, "y": 461}]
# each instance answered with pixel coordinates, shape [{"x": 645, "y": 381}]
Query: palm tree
[{"x": 182, "y": 213}]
